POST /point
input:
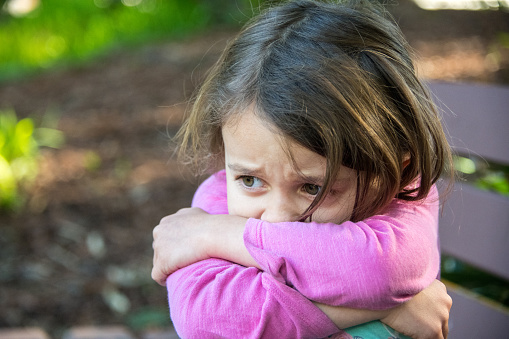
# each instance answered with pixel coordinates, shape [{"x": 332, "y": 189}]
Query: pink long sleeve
[
  {"x": 376, "y": 263},
  {"x": 218, "y": 299}
]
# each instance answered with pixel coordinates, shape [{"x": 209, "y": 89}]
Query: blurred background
[{"x": 91, "y": 91}]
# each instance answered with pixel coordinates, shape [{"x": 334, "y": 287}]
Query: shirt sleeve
[
  {"x": 377, "y": 263},
  {"x": 218, "y": 299},
  {"x": 211, "y": 194}
]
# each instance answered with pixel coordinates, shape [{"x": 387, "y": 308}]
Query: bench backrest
[{"x": 474, "y": 225}]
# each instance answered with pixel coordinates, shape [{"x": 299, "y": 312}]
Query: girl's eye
[
  {"x": 311, "y": 189},
  {"x": 250, "y": 181}
]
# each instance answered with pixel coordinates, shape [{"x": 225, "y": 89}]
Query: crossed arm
[
  {"x": 423, "y": 316},
  {"x": 192, "y": 235}
]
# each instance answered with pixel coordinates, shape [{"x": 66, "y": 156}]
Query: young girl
[{"x": 331, "y": 147}]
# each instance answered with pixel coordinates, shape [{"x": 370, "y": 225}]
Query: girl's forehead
[
  {"x": 257, "y": 147},
  {"x": 252, "y": 145},
  {"x": 249, "y": 113},
  {"x": 249, "y": 124},
  {"x": 253, "y": 120}
]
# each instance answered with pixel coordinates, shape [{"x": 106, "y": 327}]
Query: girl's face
[{"x": 264, "y": 183}]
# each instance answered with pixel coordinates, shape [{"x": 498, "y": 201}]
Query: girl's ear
[{"x": 406, "y": 161}]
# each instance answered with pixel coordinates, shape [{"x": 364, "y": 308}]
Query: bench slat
[
  {"x": 471, "y": 317},
  {"x": 474, "y": 227},
  {"x": 476, "y": 118},
  {"x": 474, "y": 224}
]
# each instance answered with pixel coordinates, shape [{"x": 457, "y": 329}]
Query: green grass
[
  {"x": 70, "y": 31},
  {"x": 20, "y": 141}
]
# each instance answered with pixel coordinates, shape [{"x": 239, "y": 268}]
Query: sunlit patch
[
  {"x": 472, "y": 5},
  {"x": 131, "y": 3},
  {"x": 464, "y": 165},
  {"x": 19, "y": 8},
  {"x": 457, "y": 59}
]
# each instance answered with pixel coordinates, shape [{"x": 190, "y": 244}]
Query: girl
[{"x": 331, "y": 147}]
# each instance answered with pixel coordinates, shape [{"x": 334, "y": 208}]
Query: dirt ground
[{"x": 80, "y": 253}]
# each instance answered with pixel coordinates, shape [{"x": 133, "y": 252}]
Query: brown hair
[{"x": 338, "y": 79}]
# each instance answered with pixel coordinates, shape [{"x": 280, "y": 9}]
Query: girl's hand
[
  {"x": 192, "y": 235},
  {"x": 179, "y": 241},
  {"x": 425, "y": 316}
]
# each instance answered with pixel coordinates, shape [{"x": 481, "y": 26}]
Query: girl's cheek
[
  {"x": 336, "y": 209},
  {"x": 243, "y": 206},
  {"x": 331, "y": 216}
]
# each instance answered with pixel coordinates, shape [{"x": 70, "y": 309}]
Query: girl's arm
[
  {"x": 215, "y": 298},
  {"x": 192, "y": 235},
  {"x": 377, "y": 263},
  {"x": 426, "y": 315},
  {"x": 184, "y": 286}
]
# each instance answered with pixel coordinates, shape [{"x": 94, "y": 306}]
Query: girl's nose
[{"x": 280, "y": 209}]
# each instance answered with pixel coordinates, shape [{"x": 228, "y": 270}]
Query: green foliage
[
  {"x": 148, "y": 318},
  {"x": 64, "y": 31},
  {"x": 92, "y": 161},
  {"x": 485, "y": 175},
  {"x": 19, "y": 149},
  {"x": 497, "y": 182},
  {"x": 475, "y": 280},
  {"x": 503, "y": 39}
]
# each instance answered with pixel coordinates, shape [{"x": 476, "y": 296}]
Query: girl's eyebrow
[
  {"x": 238, "y": 168},
  {"x": 320, "y": 179},
  {"x": 244, "y": 170},
  {"x": 313, "y": 179}
]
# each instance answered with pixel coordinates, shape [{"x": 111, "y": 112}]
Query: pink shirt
[{"x": 377, "y": 263}]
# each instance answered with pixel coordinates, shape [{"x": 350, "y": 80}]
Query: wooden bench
[{"x": 474, "y": 225}]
